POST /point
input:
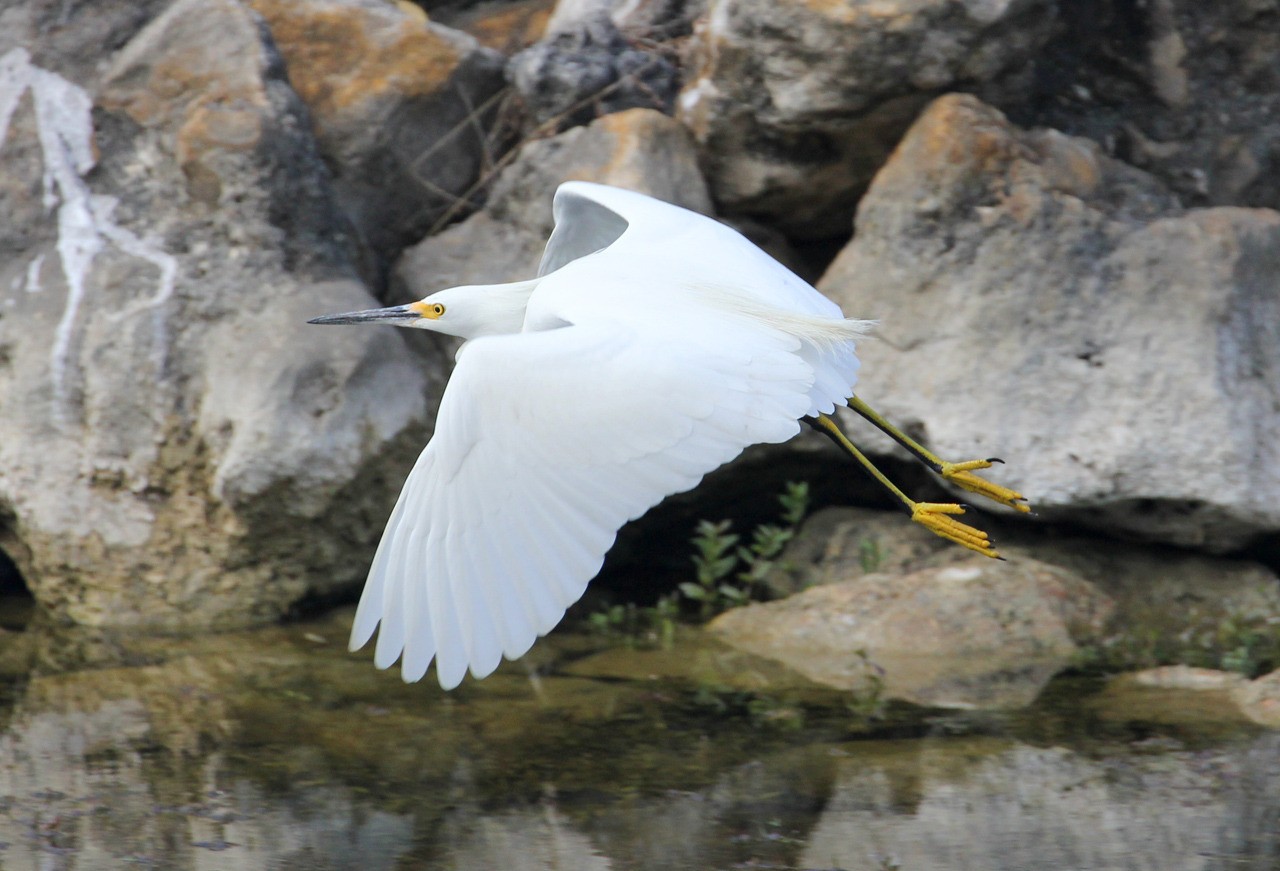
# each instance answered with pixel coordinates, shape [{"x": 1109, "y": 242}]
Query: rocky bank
[{"x": 1062, "y": 214}]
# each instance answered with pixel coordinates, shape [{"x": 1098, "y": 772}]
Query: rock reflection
[
  {"x": 995, "y": 805},
  {"x": 528, "y": 840},
  {"x": 276, "y": 750}
]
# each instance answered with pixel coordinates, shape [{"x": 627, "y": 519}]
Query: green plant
[
  {"x": 1248, "y": 644},
  {"x": 869, "y": 555},
  {"x": 714, "y": 561},
  {"x": 717, "y": 555},
  {"x": 1246, "y": 641},
  {"x": 653, "y": 625}
]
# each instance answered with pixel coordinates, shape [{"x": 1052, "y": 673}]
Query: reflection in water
[
  {"x": 1031, "y": 807},
  {"x": 277, "y": 750}
]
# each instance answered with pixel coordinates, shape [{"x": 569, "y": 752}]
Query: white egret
[{"x": 654, "y": 345}]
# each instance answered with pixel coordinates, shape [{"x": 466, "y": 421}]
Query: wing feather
[{"x": 545, "y": 444}]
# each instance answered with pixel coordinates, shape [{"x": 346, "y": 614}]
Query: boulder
[
  {"x": 654, "y": 19},
  {"x": 78, "y": 43},
  {"x": 1260, "y": 700},
  {"x": 178, "y": 448},
  {"x": 1188, "y": 91},
  {"x": 1184, "y": 677},
  {"x": 973, "y": 634},
  {"x": 1169, "y": 605},
  {"x": 1042, "y": 302},
  {"x": 589, "y": 69},
  {"x": 401, "y": 109},
  {"x": 507, "y": 27},
  {"x": 640, "y": 149},
  {"x": 796, "y": 104}
]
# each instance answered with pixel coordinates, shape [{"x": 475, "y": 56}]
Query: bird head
[{"x": 467, "y": 312}]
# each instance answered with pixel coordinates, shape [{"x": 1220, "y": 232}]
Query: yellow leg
[
  {"x": 960, "y": 474},
  {"x": 937, "y": 517}
]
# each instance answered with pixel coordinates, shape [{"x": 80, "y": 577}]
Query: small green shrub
[{"x": 718, "y": 555}]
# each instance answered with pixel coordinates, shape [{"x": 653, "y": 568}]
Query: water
[{"x": 276, "y": 749}]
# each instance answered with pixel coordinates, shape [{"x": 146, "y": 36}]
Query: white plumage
[{"x": 654, "y": 345}]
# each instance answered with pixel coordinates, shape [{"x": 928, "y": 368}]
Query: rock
[
  {"x": 1260, "y": 700},
  {"x": 639, "y": 149},
  {"x": 1042, "y": 302},
  {"x": 796, "y": 104},
  {"x": 1197, "y": 701},
  {"x": 503, "y": 26},
  {"x": 178, "y": 449},
  {"x": 572, "y": 14},
  {"x": 973, "y": 634},
  {"x": 1184, "y": 677},
  {"x": 1188, "y": 91},
  {"x": 836, "y": 544},
  {"x": 77, "y": 45},
  {"x": 1171, "y": 605},
  {"x": 589, "y": 70},
  {"x": 401, "y": 108},
  {"x": 654, "y": 19}
]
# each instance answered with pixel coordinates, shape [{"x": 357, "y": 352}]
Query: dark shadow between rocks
[{"x": 16, "y": 601}]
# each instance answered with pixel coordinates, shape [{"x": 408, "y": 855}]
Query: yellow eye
[{"x": 432, "y": 312}]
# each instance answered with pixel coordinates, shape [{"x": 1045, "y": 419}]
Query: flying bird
[{"x": 654, "y": 345}]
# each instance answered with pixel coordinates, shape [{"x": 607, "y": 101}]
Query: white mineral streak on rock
[
  {"x": 64, "y": 125},
  {"x": 33, "y": 274}
]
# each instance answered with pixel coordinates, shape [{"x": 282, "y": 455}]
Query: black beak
[{"x": 396, "y": 315}]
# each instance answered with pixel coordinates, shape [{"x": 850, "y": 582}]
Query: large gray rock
[
  {"x": 177, "y": 447},
  {"x": 1042, "y": 302},
  {"x": 401, "y": 109},
  {"x": 75, "y": 42},
  {"x": 796, "y": 104},
  {"x": 1189, "y": 91},
  {"x": 639, "y": 149},
  {"x": 974, "y": 634}
]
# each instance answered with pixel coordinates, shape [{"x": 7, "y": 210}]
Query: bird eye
[{"x": 437, "y": 309}]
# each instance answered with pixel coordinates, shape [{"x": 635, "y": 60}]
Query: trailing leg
[
  {"x": 960, "y": 474},
  {"x": 937, "y": 517}
]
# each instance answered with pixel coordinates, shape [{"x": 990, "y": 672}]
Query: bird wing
[
  {"x": 545, "y": 444},
  {"x": 583, "y": 226}
]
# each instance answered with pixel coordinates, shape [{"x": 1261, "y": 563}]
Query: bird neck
[
  {"x": 505, "y": 305},
  {"x": 488, "y": 309}
]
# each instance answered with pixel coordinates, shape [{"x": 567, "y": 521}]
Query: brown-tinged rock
[
  {"x": 401, "y": 108},
  {"x": 1260, "y": 699},
  {"x": 973, "y": 634}
]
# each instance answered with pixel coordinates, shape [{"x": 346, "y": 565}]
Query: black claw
[
  {"x": 995, "y": 460},
  {"x": 964, "y": 505},
  {"x": 1002, "y": 559}
]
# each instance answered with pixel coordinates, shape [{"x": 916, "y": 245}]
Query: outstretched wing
[{"x": 545, "y": 444}]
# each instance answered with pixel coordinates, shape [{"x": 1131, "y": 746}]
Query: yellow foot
[
  {"x": 961, "y": 474},
  {"x": 933, "y": 516}
]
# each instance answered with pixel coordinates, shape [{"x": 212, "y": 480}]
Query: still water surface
[{"x": 276, "y": 749}]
